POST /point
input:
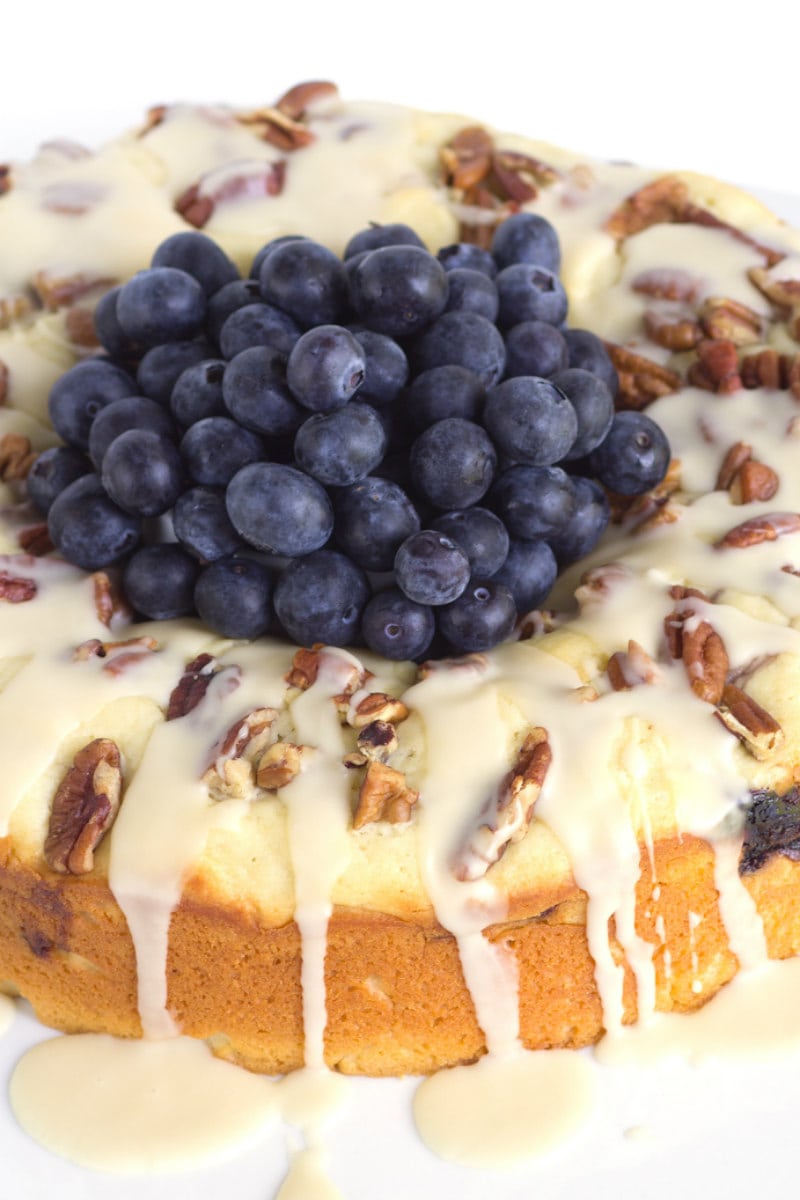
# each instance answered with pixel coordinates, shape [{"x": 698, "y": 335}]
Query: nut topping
[
  {"x": 765, "y": 528},
  {"x": 384, "y": 796},
  {"x": 758, "y": 731},
  {"x": 627, "y": 669},
  {"x": 731, "y": 320},
  {"x": 509, "y": 813},
  {"x": 717, "y": 366},
  {"x": 279, "y": 765},
  {"x": 16, "y": 589},
  {"x": 298, "y": 99},
  {"x": 376, "y": 742},
  {"x": 377, "y": 706},
  {"x": 694, "y": 640},
  {"x": 16, "y": 457},
  {"x": 110, "y": 604},
  {"x": 640, "y": 379},
  {"x": 120, "y": 655},
  {"x": 198, "y": 202},
  {"x": 84, "y": 808},
  {"x": 192, "y": 686},
  {"x": 754, "y": 481},
  {"x": 233, "y": 758},
  {"x": 35, "y": 539},
  {"x": 738, "y": 454}
]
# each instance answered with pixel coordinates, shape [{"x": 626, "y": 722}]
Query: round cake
[{"x": 315, "y": 853}]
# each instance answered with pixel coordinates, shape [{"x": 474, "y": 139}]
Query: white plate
[{"x": 719, "y": 1129}]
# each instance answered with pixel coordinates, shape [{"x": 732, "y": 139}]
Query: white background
[{"x": 683, "y": 83}]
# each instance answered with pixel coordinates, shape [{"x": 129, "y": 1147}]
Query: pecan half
[
  {"x": 467, "y": 157},
  {"x": 667, "y": 283},
  {"x": 672, "y": 332},
  {"x": 118, "y": 655},
  {"x": 755, "y": 728},
  {"x": 278, "y": 128},
  {"x": 765, "y": 528},
  {"x": 384, "y": 796},
  {"x": 785, "y": 292},
  {"x": 84, "y": 807},
  {"x": 508, "y": 815},
  {"x": 735, "y": 458},
  {"x": 693, "y": 639},
  {"x": 769, "y": 369},
  {"x": 16, "y": 589},
  {"x": 16, "y": 457},
  {"x": 754, "y": 481},
  {"x": 377, "y": 706},
  {"x": 199, "y": 201}
]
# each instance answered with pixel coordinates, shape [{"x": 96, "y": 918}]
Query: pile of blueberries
[{"x": 393, "y": 449}]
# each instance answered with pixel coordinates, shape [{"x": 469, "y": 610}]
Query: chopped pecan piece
[
  {"x": 60, "y": 291},
  {"x": 192, "y": 686},
  {"x": 16, "y": 457},
  {"x": 723, "y": 318},
  {"x": 765, "y": 528},
  {"x": 377, "y": 706},
  {"x": 119, "y": 655},
  {"x": 279, "y": 765},
  {"x": 35, "y": 539},
  {"x": 638, "y": 513},
  {"x": 667, "y": 283},
  {"x": 735, "y": 458},
  {"x": 508, "y": 815},
  {"x": 785, "y": 292},
  {"x": 598, "y": 582},
  {"x": 306, "y": 666},
  {"x": 84, "y": 807},
  {"x": 384, "y": 796},
  {"x": 199, "y": 201},
  {"x": 717, "y": 366},
  {"x": 232, "y": 765},
  {"x": 755, "y": 728},
  {"x": 476, "y": 662},
  {"x": 754, "y": 481},
  {"x": 693, "y": 639},
  {"x": 16, "y": 589},
  {"x": 662, "y": 200},
  {"x": 375, "y": 741},
  {"x": 110, "y": 604},
  {"x": 80, "y": 329},
  {"x": 640, "y": 379},
  {"x": 769, "y": 369},
  {"x": 298, "y": 99},
  {"x": 517, "y": 175},
  {"x": 467, "y": 158},
  {"x": 278, "y": 128},
  {"x": 674, "y": 333},
  {"x": 629, "y": 668}
]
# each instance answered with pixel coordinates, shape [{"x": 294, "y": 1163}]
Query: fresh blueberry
[
  {"x": 482, "y": 616},
  {"x": 341, "y": 447},
  {"x": 586, "y": 350},
  {"x": 593, "y": 405},
  {"x": 533, "y": 502},
  {"x": 320, "y": 598},
  {"x": 398, "y": 290},
  {"x": 440, "y": 392},
  {"x": 162, "y": 366},
  {"x": 215, "y": 448},
  {"x": 258, "y": 324},
  {"x": 199, "y": 256},
  {"x": 430, "y": 568},
  {"x": 307, "y": 281},
  {"x": 52, "y": 471},
  {"x": 634, "y": 455},
  {"x": 198, "y": 392},
  {"x": 232, "y": 597},
  {"x": 325, "y": 368},
  {"x": 530, "y": 420},
  {"x": 396, "y": 627},
  {"x": 201, "y": 524},
  {"x": 143, "y": 472},
  {"x": 453, "y": 463},
  {"x": 132, "y": 412},
  {"x": 468, "y": 255},
  {"x": 88, "y": 528},
  {"x": 373, "y": 518},
  {"x": 481, "y": 535},
  {"x": 385, "y": 367},
  {"x": 159, "y": 581},
  {"x": 472, "y": 291},
  {"x": 255, "y": 392},
  {"x": 263, "y": 254},
  {"x": 79, "y": 395},
  {"x": 526, "y": 238},
  {"x": 529, "y": 573},
  {"x": 278, "y": 509},
  {"x": 530, "y": 293},
  {"x": 535, "y": 348},
  {"x": 162, "y": 304},
  {"x": 587, "y": 524},
  {"x": 230, "y": 297},
  {"x": 109, "y": 331},
  {"x": 465, "y": 339},
  {"x": 382, "y": 235}
]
